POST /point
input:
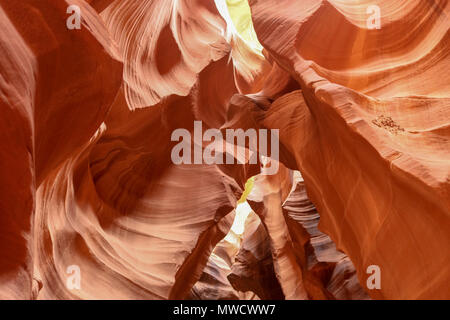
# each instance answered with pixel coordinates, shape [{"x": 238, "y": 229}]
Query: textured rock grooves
[{"x": 87, "y": 177}]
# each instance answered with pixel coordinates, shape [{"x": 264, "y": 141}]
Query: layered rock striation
[{"x": 93, "y": 205}]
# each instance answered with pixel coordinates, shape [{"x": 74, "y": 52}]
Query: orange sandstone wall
[{"x": 92, "y": 205}]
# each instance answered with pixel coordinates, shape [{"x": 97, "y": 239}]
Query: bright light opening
[{"x": 238, "y": 16}]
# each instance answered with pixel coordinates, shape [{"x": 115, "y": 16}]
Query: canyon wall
[{"x": 93, "y": 205}]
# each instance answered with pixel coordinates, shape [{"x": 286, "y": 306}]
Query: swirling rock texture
[{"x": 90, "y": 191}]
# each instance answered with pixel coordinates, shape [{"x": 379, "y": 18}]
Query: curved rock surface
[
  {"x": 93, "y": 206},
  {"x": 376, "y": 161}
]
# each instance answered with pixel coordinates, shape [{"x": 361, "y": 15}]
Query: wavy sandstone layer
[
  {"x": 89, "y": 184},
  {"x": 376, "y": 161}
]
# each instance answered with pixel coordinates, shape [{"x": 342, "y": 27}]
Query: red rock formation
[
  {"x": 50, "y": 85},
  {"x": 377, "y": 167},
  {"x": 85, "y": 161},
  {"x": 252, "y": 270}
]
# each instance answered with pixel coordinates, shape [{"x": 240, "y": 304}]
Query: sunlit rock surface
[
  {"x": 92, "y": 205},
  {"x": 370, "y": 131}
]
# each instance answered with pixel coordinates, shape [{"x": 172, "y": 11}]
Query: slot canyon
[{"x": 349, "y": 200}]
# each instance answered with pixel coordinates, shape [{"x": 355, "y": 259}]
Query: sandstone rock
[{"x": 89, "y": 184}]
